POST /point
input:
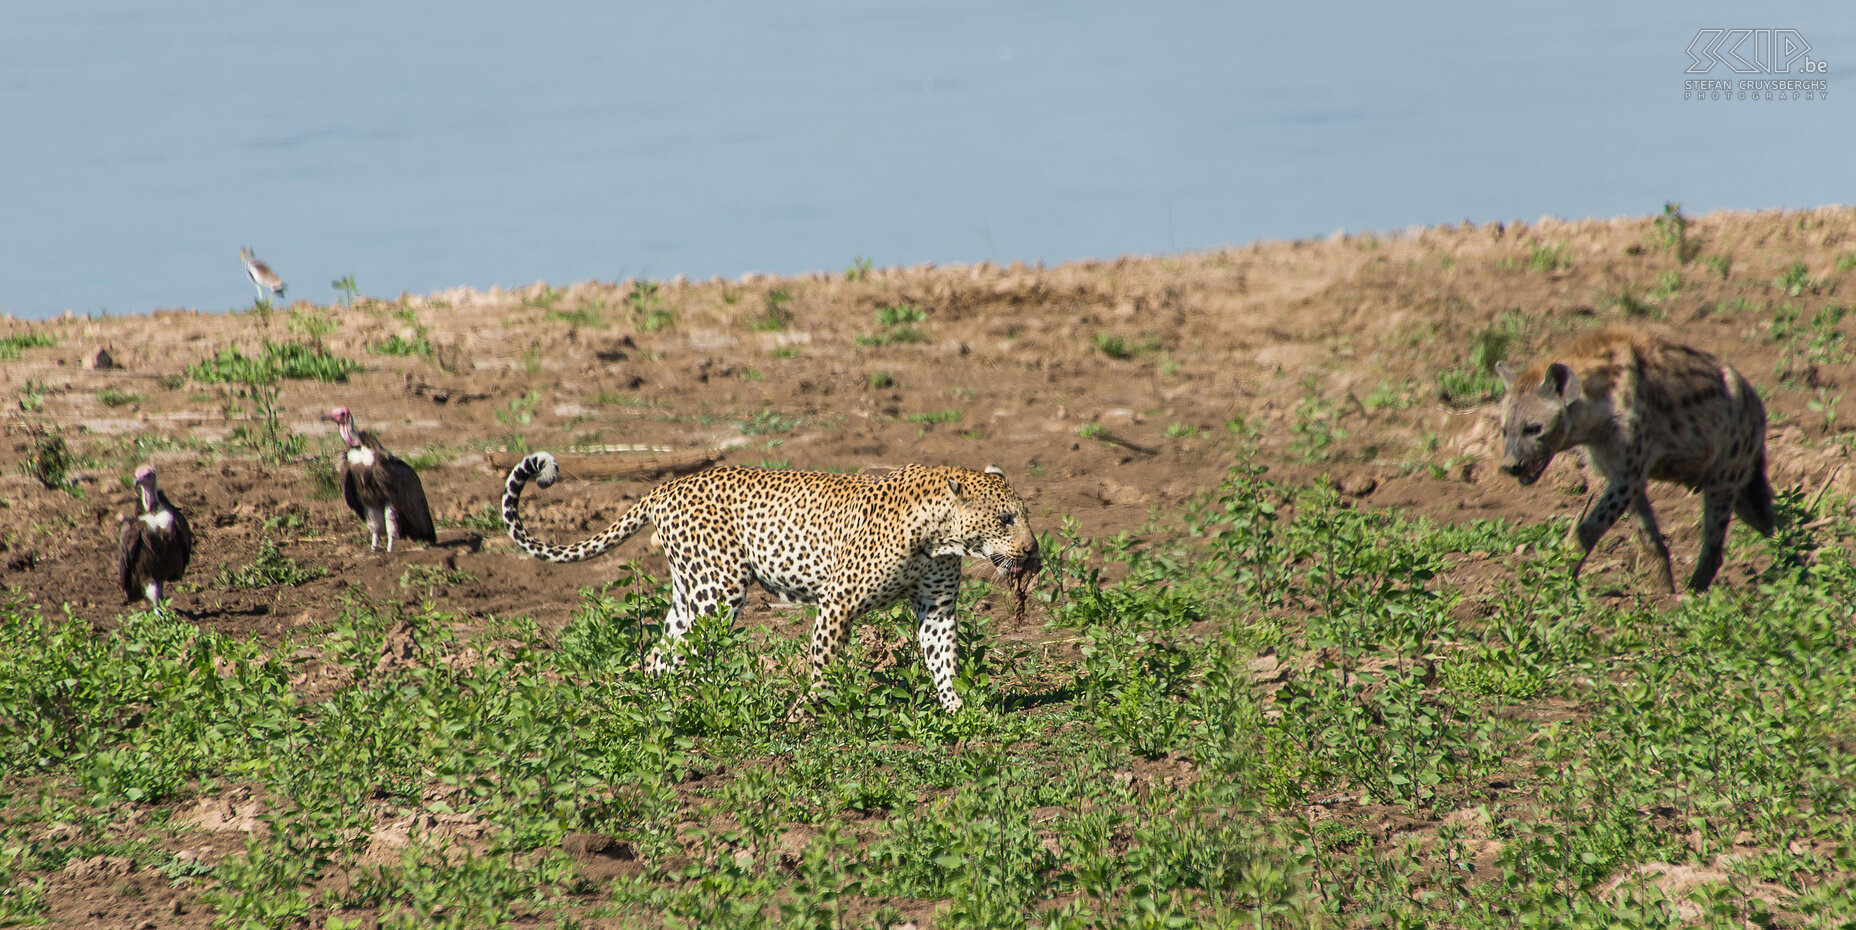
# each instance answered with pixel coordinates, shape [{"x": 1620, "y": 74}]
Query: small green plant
[
  {"x": 1476, "y": 383},
  {"x": 50, "y": 460},
  {"x": 549, "y": 296},
  {"x": 346, "y": 287},
  {"x": 313, "y": 324},
  {"x": 13, "y": 343},
  {"x": 784, "y": 352},
  {"x": 1846, "y": 263},
  {"x": 589, "y": 315},
  {"x": 1177, "y": 430},
  {"x": 1114, "y": 347},
  {"x": 934, "y": 416},
  {"x": 900, "y": 315},
  {"x": 1672, "y": 233},
  {"x": 1668, "y": 284},
  {"x": 881, "y": 380},
  {"x": 647, "y": 307},
  {"x": 1549, "y": 258},
  {"x": 1316, "y": 428},
  {"x": 1092, "y": 431},
  {"x": 32, "y": 396},
  {"x": 775, "y": 315},
  {"x": 487, "y": 520},
  {"x": 1794, "y": 281},
  {"x": 1632, "y": 306},
  {"x": 768, "y": 423},
  {"x": 1825, "y": 405},
  {"x": 117, "y": 397},
  {"x": 395, "y": 344},
  {"x": 270, "y": 439},
  {"x": 277, "y": 360},
  {"x": 432, "y": 578},
  {"x": 1389, "y": 396},
  {"x": 859, "y": 270},
  {"x": 323, "y": 478},
  {"x": 1719, "y": 264},
  {"x": 519, "y": 413},
  {"x": 897, "y": 326},
  {"x": 270, "y": 568}
]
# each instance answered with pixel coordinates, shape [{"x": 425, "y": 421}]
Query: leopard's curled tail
[{"x": 544, "y": 470}]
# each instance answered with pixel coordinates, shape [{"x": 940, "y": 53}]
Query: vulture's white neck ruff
[
  {"x": 161, "y": 520},
  {"x": 361, "y": 457}
]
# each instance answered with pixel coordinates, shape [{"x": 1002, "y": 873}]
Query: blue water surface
[{"x": 423, "y": 145}]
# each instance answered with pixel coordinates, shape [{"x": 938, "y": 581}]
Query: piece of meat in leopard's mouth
[{"x": 1014, "y": 568}]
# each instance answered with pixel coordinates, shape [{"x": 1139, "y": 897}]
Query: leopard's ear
[
  {"x": 994, "y": 470},
  {"x": 954, "y": 486}
]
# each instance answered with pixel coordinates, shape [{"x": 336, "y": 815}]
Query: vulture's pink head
[
  {"x": 145, "y": 485},
  {"x": 344, "y": 422}
]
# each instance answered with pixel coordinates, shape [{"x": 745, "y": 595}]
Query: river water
[{"x": 418, "y": 146}]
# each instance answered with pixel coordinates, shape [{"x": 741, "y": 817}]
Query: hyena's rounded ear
[
  {"x": 1506, "y": 372},
  {"x": 995, "y": 470},
  {"x": 1560, "y": 382}
]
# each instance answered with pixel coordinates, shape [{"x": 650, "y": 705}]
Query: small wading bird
[
  {"x": 156, "y": 545},
  {"x": 380, "y": 488},
  {"x": 262, "y": 277}
]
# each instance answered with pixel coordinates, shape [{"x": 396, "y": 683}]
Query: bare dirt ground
[{"x": 1106, "y": 390}]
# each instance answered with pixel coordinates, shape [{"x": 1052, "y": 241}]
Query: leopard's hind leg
[{"x": 719, "y": 584}]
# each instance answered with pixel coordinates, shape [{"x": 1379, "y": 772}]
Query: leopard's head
[
  {"x": 990, "y": 521},
  {"x": 1536, "y": 418}
]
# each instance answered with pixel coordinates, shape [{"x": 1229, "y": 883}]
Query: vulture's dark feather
[
  {"x": 152, "y": 554},
  {"x": 387, "y": 483}
]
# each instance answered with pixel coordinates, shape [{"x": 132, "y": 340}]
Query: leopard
[
  {"x": 849, "y": 543},
  {"x": 1644, "y": 408}
]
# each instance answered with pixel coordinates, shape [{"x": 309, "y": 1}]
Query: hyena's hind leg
[
  {"x": 1753, "y": 504},
  {"x": 1655, "y": 548},
  {"x": 1717, "y": 507}
]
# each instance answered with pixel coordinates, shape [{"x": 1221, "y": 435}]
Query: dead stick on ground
[{"x": 613, "y": 466}]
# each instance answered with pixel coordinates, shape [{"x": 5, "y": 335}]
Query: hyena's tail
[
  {"x": 1754, "y": 503},
  {"x": 542, "y": 468}
]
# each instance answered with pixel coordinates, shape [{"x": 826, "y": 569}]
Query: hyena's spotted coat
[{"x": 1644, "y": 408}]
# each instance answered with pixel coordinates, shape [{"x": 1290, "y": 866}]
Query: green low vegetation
[
  {"x": 12, "y": 344},
  {"x": 1475, "y": 383},
  {"x": 117, "y": 397},
  {"x": 269, "y": 568},
  {"x": 287, "y": 360},
  {"x": 1283, "y": 713},
  {"x": 896, "y": 325}
]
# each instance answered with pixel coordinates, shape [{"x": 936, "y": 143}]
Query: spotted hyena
[{"x": 1644, "y": 407}]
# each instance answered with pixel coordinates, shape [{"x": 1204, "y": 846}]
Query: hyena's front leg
[
  {"x": 1619, "y": 496},
  {"x": 1651, "y": 537}
]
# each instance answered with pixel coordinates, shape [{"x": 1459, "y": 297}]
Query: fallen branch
[{"x": 607, "y": 466}]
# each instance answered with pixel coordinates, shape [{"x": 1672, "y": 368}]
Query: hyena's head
[{"x": 1536, "y": 419}]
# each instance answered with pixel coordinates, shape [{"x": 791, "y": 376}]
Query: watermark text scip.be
[{"x": 1755, "y": 51}]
